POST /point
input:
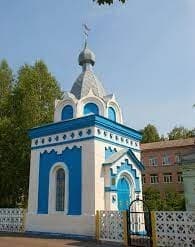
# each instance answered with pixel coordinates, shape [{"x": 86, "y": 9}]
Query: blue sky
[{"x": 145, "y": 51}]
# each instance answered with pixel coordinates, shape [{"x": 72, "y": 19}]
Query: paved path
[{"x": 14, "y": 241}]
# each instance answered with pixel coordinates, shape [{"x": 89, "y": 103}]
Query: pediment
[{"x": 123, "y": 154}]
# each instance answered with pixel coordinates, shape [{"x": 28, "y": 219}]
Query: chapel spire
[{"x": 87, "y": 80}]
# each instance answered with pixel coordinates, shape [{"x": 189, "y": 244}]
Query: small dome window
[
  {"x": 67, "y": 112},
  {"x": 90, "y": 108},
  {"x": 111, "y": 114}
]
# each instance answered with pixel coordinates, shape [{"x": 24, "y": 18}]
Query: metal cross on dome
[{"x": 86, "y": 31}]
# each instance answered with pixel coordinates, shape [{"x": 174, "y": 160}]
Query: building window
[
  {"x": 60, "y": 189},
  {"x": 153, "y": 161},
  {"x": 90, "y": 108},
  {"x": 177, "y": 158},
  {"x": 167, "y": 178},
  {"x": 165, "y": 160},
  {"x": 154, "y": 179},
  {"x": 67, "y": 112},
  {"x": 179, "y": 177},
  {"x": 143, "y": 179},
  {"x": 111, "y": 113}
]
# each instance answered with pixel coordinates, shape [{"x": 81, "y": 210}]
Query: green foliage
[
  {"x": 172, "y": 201},
  {"x": 152, "y": 199},
  {"x": 180, "y": 133},
  {"x": 108, "y": 1},
  {"x": 30, "y": 102},
  {"x": 150, "y": 134},
  {"x": 6, "y": 81},
  {"x": 35, "y": 92}
]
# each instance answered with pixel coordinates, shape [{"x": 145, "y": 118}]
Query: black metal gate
[{"x": 139, "y": 228}]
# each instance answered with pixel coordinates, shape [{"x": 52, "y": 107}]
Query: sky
[{"x": 145, "y": 51}]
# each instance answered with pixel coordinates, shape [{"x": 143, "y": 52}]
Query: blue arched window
[
  {"x": 91, "y": 108},
  {"x": 60, "y": 189},
  {"x": 111, "y": 114},
  {"x": 67, "y": 112}
]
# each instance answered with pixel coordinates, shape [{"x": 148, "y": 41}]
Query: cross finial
[{"x": 86, "y": 33}]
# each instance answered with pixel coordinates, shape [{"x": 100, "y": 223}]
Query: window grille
[{"x": 60, "y": 189}]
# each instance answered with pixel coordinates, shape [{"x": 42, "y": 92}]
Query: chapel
[{"x": 86, "y": 160}]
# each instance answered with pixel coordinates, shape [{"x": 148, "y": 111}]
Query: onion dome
[
  {"x": 86, "y": 56},
  {"x": 87, "y": 80}
]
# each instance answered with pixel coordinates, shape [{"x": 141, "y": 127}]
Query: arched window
[
  {"x": 60, "y": 189},
  {"x": 111, "y": 113},
  {"x": 67, "y": 112},
  {"x": 91, "y": 108}
]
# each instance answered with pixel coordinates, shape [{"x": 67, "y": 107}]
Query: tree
[
  {"x": 31, "y": 103},
  {"x": 7, "y": 168},
  {"x": 6, "y": 82},
  {"x": 108, "y": 1},
  {"x": 171, "y": 201},
  {"x": 34, "y": 95},
  {"x": 150, "y": 134},
  {"x": 152, "y": 199},
  {"x": 180, "y": 133},
  {"x": 174, "y": 201}
]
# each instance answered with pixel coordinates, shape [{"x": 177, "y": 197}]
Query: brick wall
[{"x": 160, "y": 169}]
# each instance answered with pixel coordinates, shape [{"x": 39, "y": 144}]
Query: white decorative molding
[
  {"x": 111, "y": 226},
  {"x": 11, "y": 220},
  {"x": 117, "y": 139},
  {"x": 68, "y": 136},
  {"x": 80, "y": 134},
  {"x": 175, "y": 228},
  {"x": 113, "y": 103},
  {"x": 68, "y": 99}
]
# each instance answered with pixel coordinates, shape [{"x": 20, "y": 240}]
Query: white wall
[{"x": 57, "y": 223}]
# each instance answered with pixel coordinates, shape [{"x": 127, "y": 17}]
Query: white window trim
[
  {"x": 167, "y": 177},
  {"x": 52, "y": 189},
  {"x": 151, "y": 161},
  {"x": 154, "y": 176},
  {"x": 166, "y": 163}
]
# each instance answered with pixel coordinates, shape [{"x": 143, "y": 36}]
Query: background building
[{"x": 162, "y": 161}]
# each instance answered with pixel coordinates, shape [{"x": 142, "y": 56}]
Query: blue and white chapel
[{"x": 86, "y": 160}]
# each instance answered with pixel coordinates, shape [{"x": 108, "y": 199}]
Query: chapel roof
[
  {"x": 116, "y": 156},
  {"x": 87, "y": 80}
]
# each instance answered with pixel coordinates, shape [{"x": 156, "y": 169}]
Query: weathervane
[{"x": 86, "y": 32}]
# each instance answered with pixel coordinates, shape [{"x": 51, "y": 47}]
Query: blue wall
[
  {"x": 91, "y": 108},
  {"x": 67, "y": 112},
  {"x": 109, "y": 151},
  {"x": 111, "y": 114},
  {"x": 72, "y": 158}
]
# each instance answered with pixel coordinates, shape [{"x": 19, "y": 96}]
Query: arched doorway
[{"x": 123, "y": 193}]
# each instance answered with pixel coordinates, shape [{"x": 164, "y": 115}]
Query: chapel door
[{"x": 123, "y": 193}]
